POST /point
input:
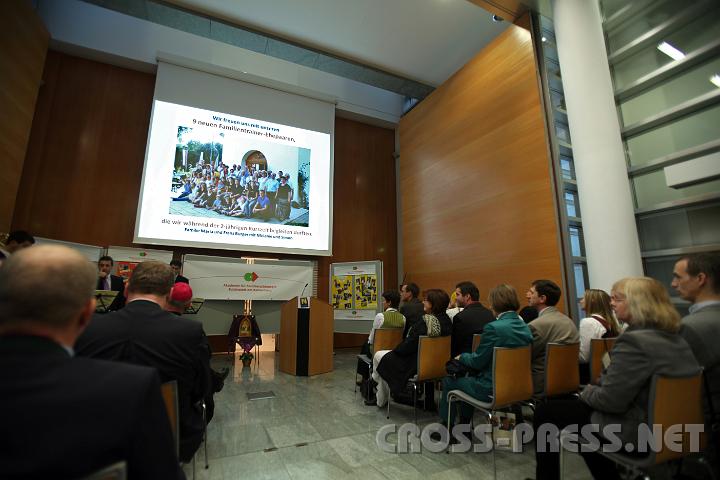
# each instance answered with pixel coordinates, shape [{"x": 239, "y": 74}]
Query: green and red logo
[{"x": 251, "y": 276}]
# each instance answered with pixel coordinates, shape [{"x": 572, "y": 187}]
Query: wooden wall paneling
[
  {"x": 23, "y": 47},
  {"x": 82, "y": 174},
  {"x": 364, "y": 202},
  {"x": 475, "y": 179},
  {"x": 84, "y": 166}
]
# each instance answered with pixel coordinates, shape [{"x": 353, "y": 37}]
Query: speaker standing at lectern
[{"x": 108, "y": 281}]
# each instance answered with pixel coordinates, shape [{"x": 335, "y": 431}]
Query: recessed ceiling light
[
  {"x": 544, "y": 39},
  {"x": 497, "y": 18},
  {"x": 670, "y": 51},
  {"x": 715, "y": 80}
]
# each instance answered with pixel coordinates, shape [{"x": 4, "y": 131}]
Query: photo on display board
[{"x": 218, "y": 175}]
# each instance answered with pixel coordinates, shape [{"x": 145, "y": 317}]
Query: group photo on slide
[{"x": 215, "y": 176}]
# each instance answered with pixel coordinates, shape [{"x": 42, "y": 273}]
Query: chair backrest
[
  {"x": 562, "y": 375},
  {"x": 476, "y": 341},
  {"x": 116, "y": 471},
  {"x": 512, "y": 375},
  {"x": 169, "y": 392},
  {"x": 433, "y": 354},
  {"x": 386, "y": 338},
  {"x": 675, "y": 401},
  {"x": 598, "y": 348}
]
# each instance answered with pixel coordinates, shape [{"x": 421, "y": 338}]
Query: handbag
[{"x": 456, "y": 369}]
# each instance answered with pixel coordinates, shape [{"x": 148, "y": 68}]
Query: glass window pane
[
  {"x": 567, "y": 168},
  {"x": 657, "y": 13},
  {"x": 651, "y": 189},
  {"x": 577, "y": 247},
  {"x": 691, "y": 37},
  {"x": 687, "y": 132},
  {"x": 660, "y": 268},
  {"x": 691, "y": 84},
  {"x": 571, "y": 204},
  {"x": 609, "y": 7},
  {"x": 579, "y": 271},
  {"x": 562, "y": 132},
  {"x": 664, "y": 230},
  {"x": 704, "y": 224}
]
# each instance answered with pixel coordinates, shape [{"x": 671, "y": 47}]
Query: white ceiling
[{"x": 422, "y": 40}]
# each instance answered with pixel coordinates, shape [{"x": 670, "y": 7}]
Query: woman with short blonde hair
[
  {"x": 648, "y": 303},
  {"x": 650, "y": 346}
]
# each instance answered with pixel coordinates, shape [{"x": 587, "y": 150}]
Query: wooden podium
[{"x": 306, "y": 338}]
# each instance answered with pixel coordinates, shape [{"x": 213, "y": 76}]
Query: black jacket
[
  {"x": 144, "y": 334},
  {"x": 470, "y": 321},
  {"x": 65, "y": 417},
  {"x": 399, "y": 365},
  {"x": 413, "y": 312},
  {"x": 117, "y": 284}
]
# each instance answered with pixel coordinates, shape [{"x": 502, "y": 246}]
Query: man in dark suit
[
  {"x": 471, "y": 320},
  {"x": 411, "y": 306},
  {"x": 145, "y": 334},
  {"x": 176, "y": 265},
  {"x": 66, "y": 417},
  {"x": 107, "y": 281}
]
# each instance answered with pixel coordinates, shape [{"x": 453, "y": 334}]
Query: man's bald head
[{"x": 47, "y": 285}]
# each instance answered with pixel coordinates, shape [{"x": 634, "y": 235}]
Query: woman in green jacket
[{"x": 507, "y": 330}]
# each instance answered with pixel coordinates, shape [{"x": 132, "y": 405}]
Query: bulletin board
[{"x": 355, "y": 288}]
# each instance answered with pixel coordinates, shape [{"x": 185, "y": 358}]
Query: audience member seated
[
  {"x": 388, "y": 318},
  {"x": 599, "y": 323},
  {"x": 176, "y": 266},
  {"x": 180, "y": 299},
  {"x": 471, "y": 320},
  {"x": 509, "y": 330},
  {"x": 17, "y": 240},
  {"x": 262, "y": 207},
  {"x": 528, "y": 314},
  {"x": 393, "y": 368},
  {"x": 65, "y": 416},
  {"x": 696, "y": 278},
  {"x": 453, "y": 309},
  {"x": 144, "y": 333},
  {"x": 411, "y": 307},
  {"x": 650, "y": 346},
  {"x": 107, "y": 281},
  {"x": 551, "y": 326}
]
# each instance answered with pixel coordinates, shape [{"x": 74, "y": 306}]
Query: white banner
[
  {"x": 241, "y": 281},
  {"x": 91, "y": 252},
  {"x": 137, "y": 255}
]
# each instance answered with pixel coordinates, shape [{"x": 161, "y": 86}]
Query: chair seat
[
  {"x": 364, "y": 358},
  {"x": 471, "y": 400}
]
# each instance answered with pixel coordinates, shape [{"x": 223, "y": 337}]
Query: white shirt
[
  {"x": 451, "y": 312},
  {"x": 589, "y": 328}
]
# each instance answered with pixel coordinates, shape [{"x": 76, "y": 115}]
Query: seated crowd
[
  {"x": 238, "y": 192},
  {"x": 94, "y": 380},
  {"x": 650, "y": 339}
]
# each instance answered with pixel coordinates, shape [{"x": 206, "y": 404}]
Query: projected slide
[{"x": 223, "y": 181}]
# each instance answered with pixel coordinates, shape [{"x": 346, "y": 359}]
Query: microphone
[{"x": 303, "y": 290}]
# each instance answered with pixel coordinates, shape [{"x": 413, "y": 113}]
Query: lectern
[{"x": 306, "y": 338}]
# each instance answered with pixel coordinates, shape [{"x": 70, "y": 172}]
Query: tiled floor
[{"x": 318, "y": 428}]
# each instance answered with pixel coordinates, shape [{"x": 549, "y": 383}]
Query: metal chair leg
[
  {"x": 492, "y": 439},
  {"x": 415, "y": 395}
]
